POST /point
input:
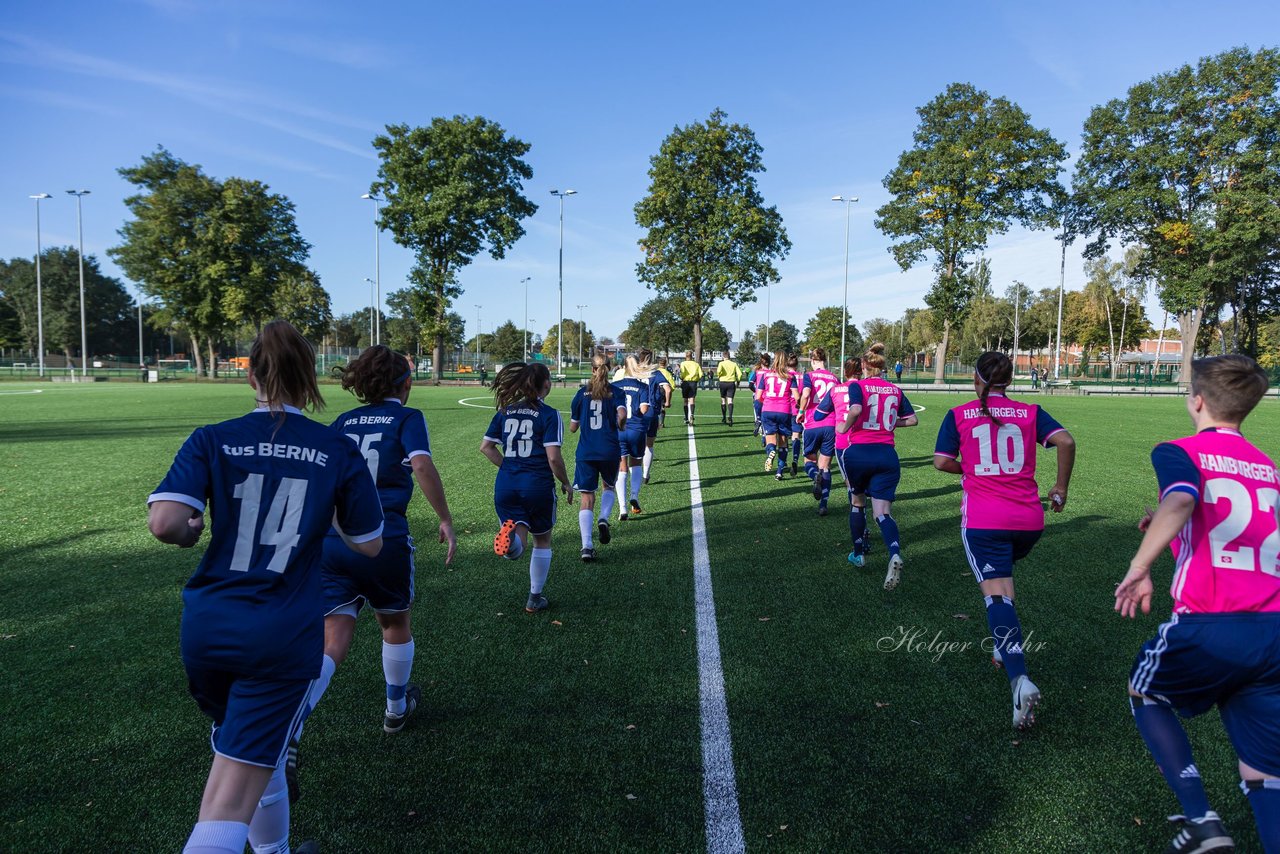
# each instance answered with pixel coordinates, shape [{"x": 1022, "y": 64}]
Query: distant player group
[{"x": 310, "y": 526}]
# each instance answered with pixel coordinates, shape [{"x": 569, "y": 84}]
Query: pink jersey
[
  {"x": 819, "y": 383},
  {"x": 998, "y": 461},
  {"x": 840, "y": 408},
  {"x": 1227, "y": 554},
  {"x": 774, "y": 391},
  {"x": 882, "y": 405}
]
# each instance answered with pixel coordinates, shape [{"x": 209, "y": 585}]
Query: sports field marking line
[
  {"x": 466, "y": 401},
  {"x": 719, "y": 787},
  {"x": 35, "y": 391}
]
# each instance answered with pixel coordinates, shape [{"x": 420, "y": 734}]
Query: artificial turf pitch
[{"x": 578, "y": 728}]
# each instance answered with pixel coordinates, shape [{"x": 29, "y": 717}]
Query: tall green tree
[
  {"x": 1184, "y": 166},
  {"x": 453, "y": 189},
  {"x": 660, "y": 324},
  {"x": 977, "y": 166},
  {"x": 578, "y": 340},
  {"x": 299, "y": 298},
  {"x": 780, "y": 335},
  {"x": 823, "y": 330},
  {"x": 715, "y": 336},
  {"x": 506, "y": 344},
  {"x": 748, "y": 350},
  {"x": 709, "y": 234},
  {"x": 109, "y": 310}
]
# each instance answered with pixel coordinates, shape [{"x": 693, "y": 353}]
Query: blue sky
[{"x": 292, "y": 92}]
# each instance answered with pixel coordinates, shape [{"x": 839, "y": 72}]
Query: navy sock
[
  {"x": 1264, "y": 799},
  {"x": 858, "y": 529},
  {"x": 811, "y": 469},
  {"x": 889, "y": 533},
  {"x": 782, "y": 456},
  {"x": 769, "y": 446},
  {"x": 1006, "y": 635},
  {"x": 826, "y": 487},
  {"x": 796, "y": 447},
  {"x": 1167, "y": 741}
]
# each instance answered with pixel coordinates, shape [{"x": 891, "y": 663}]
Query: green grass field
[{"x": 578, "y": 729}]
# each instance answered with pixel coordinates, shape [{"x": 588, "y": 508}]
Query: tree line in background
[{"x": 1181, "y": 172}]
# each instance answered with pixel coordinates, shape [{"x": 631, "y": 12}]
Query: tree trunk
[
  {"x": 437, "y": 357},
  {"x": 199, "y": 358},
  {"x": 1124, "y": 320},
  {"x": 1189, "y": 328},
  {"x": 940, "y": 357},
  {"x": 213, "y": 359},
  {"x": 697, "y": 340},
  {"x": 1111, "y": 336}
]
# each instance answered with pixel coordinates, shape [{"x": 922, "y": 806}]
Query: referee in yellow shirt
[
  {"x": 729, "y": 375},
  {"x": 690, "y": 375}
]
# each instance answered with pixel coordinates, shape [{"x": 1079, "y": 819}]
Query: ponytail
[
  {"x": 993, "y": 370},
  {"x": 874, "y": 357},
  {"x": 283, "y": 366},
  {"x": 520, "y": 381},
  {"x": 598, "y": 386}
]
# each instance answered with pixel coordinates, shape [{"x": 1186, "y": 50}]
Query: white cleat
[
  {"x": 1026, "y": 696},
  {"x": 894, "y": 575}
]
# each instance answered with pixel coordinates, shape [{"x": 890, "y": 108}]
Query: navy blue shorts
[
  {"x": 587, "y": 474},
  {"x": 776, "y": 422},
  {"x": 992, "y": 553},
  {"x": 871, "y": 469},
  {"x": 385, "y": 582},
  {"x": 1232, "y": 661},
  {"x": 796, "y": 427},
  {"x": 253, "y": 717},
  {"x": 534, "y": 507},
  {"x": 633, "y": 444},
  {"x": 820, "y": 440},
  {"x": 758, "y": 407},
  {"x": 655, "y": 420}
]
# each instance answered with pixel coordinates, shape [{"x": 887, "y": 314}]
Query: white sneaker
[
  {"x": 1025, "y": 698},
  {"x": 894, "y": 575}
]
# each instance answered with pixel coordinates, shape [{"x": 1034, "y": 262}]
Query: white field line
[
  {"x": 719, "y": 786},
  {"x": 36, "y": 391}
]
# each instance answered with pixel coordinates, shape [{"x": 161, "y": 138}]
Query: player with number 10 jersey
[{"x": 991, "y": 442}]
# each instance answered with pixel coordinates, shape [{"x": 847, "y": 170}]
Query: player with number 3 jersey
[
  {"x": 869, "y": 464},
  {"x": 600, "y": 410},
  {"x": 1218, "y": 513},
  {"x": 252, "y": 617},
  {"x": 523, "y": 441},
  {"x": 991, "y": 442}
]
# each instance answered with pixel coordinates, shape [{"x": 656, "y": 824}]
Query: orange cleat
[{"x": 506, "y": 537}]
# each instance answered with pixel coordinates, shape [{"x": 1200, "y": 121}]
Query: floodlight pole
[
  {"x": 376, "y": 336},
  {"x": 1062, "y": 286},
  {"x": 768, "y": 310},
  {"x": 39, "y": 295},
  {"x": 84, "y": 333},
  {"x": 372, "y": 306},
  {"x": 525, "y": 282},
  {"x": 560, "y": 313},
  {"x": 844, "y": 306},
  {"x": 478, "y": 307}
]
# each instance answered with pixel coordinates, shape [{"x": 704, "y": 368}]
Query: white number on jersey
[
  {"x": 777, "y": 386},
  {"x": 368, "y": 451},
  {"x": 1229, "y": 529},
  {"x": 279, "y": 529},
  {"x": 877, "y": 419},
  {"x": 820, "y": 389},
  {"x": 519, "y": 437},
  {"x": 1010, "y": 455},
  {"x": 597, "y": 414}
]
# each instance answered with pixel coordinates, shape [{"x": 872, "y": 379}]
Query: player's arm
[
  {"x": 804, "y": 396},
  {"x": 175, "y": 523},
  {"x": 489, "y": 447},
  {"x": 368, "y": 548},
  {"x": 1179, "y": 492},
  {"x": 909, "y": 419},
  {"x": 556, "y": 459},
  {"x": 622, "y": 417},
  {"x": 1051, "y": 434},
  {"x": 428, "y": 477},
  {"x": 946, "y": 451}
]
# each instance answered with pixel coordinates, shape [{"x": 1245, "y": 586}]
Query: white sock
[
  {"x": 269, "y": 829},
  {"x": 648, "y": 460},
  {"x": 517, "y": 547},
  {"x": 637, "y": 481},
  {"x": 606, "y": 504},
  {"x": 397, "y": 665},
  {"x": 539, "y": 568},
  {"x": 586, "y": 521},
  {"x": 217, "y": 837},
  {"x": 620, "y": 490},
  {"x": 318, "y": 687}
]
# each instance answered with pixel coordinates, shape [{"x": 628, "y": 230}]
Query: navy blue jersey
[
  {"x": 271, "y": 484},
  {"x": 598, "y": 421},
  {"x": 657, "y": 393},
  {"x": 636, "y": 392},
  {"x": 523, "y": 432},
  {"x": 389, "y": 435}
]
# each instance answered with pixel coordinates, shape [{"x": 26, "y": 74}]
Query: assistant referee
[{"x": 690, "y": 375}]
